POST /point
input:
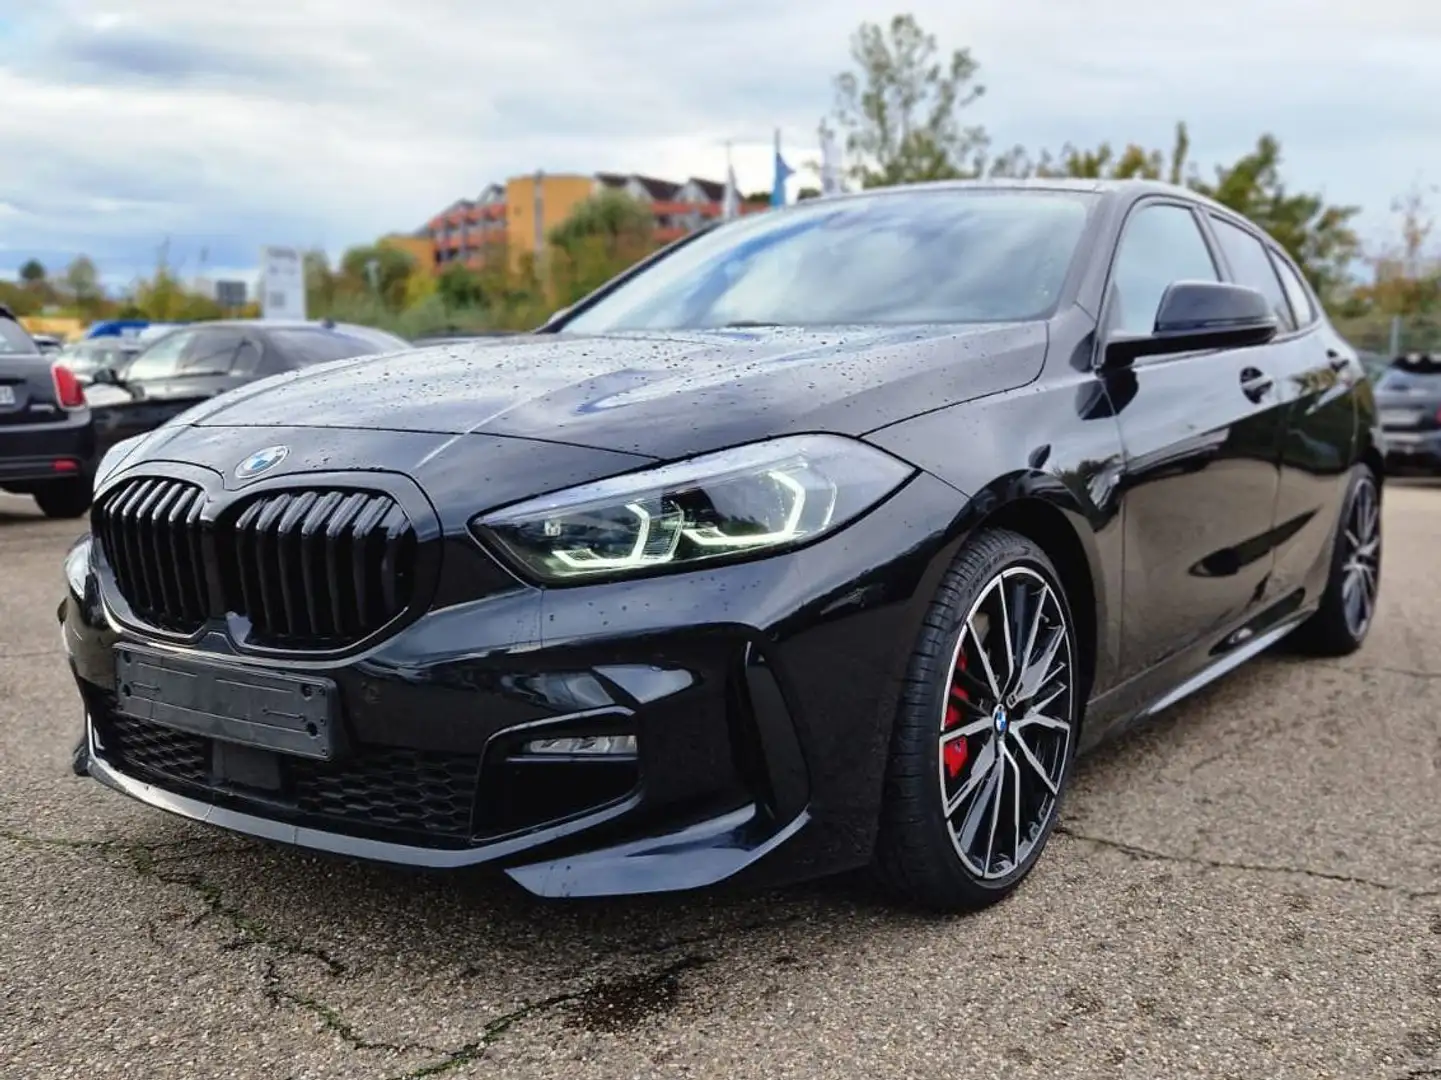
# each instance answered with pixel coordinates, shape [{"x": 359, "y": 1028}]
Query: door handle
[{"x": 1255, "y": 384}]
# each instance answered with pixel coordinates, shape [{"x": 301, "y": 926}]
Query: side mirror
[
  {"x": 105, "y": 377},
  {"x": 1197, "y": 315}
]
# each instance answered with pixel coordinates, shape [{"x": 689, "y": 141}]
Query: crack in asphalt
[
  {"x": 608, "y": 1003},
  {"x": 1257, "y": 868}
]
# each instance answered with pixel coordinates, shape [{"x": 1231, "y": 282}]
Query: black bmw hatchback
[{"x": 825, "y": 538}]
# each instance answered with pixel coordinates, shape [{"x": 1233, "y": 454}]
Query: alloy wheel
[
  {"x": 1361, "y": 570},
  {"x": 1006, "y": 725}
]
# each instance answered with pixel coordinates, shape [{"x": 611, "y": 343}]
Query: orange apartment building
[{"x": 517, "y": 216}]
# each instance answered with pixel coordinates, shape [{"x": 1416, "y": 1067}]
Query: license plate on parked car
[
  {"x": 7, "y": 395},
  {"x": 1400, "y": 417}
]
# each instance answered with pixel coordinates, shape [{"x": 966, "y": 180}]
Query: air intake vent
[
  {"x": 317, "y": 569},
  {"x": 149, "y": 530}
]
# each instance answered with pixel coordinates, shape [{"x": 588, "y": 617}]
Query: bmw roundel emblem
[{"x": 261, "y": 461}]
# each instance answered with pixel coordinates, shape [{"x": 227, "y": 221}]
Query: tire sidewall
[{"x": 926, "y": 712}]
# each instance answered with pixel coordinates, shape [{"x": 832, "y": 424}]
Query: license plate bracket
[{"x": 289, "y": 714}]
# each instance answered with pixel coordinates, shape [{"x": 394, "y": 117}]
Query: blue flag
[{"x": 778, "y": 187}]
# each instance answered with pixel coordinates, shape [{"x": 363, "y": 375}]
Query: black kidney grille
[
  {"x": 149, "y": 530},
  {"x": 314, "y": 569}
]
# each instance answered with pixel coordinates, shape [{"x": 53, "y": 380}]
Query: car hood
[{"x": 660, "y": 396}]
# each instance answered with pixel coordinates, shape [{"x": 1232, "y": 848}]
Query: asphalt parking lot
[{"x": 1249, "y": 887}]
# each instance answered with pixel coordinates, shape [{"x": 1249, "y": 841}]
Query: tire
[
  {"x": 64, "y": 499},
  {"x": 923, "y": 855},
  {"x": 1340, "y": 624}
]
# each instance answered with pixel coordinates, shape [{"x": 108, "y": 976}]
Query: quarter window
[
  {"x": 1252, "y": 267},
  {"x": 1296, "y": 292},
  {"x": 1162, "y": 245}
]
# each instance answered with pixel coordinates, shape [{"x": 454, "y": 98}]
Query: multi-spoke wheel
[
  {"x": 986, "y": 732},
  {"x": 1349, "y": 603}
]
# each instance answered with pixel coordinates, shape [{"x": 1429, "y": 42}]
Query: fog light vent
[{"x": 584, "y": 746}]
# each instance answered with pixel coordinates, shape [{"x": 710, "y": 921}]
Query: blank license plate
[
  {"x": 285, "y": 713},
  {"x": 7, "y": 395}
]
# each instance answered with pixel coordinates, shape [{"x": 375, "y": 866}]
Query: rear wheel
[
  {"x": 985, "y": 734},
  {"x": 64, "y": 498},
  {"x": 1348, "y": 605}
]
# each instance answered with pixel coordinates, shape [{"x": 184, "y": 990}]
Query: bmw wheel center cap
[{"x": 261, "y": 461}]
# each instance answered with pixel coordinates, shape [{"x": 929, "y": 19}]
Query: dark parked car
[
  {"x": 1408, "y": 394},
  {"x": 186, "y": 366},
  {"x": 47, "y": 437},
  {"x": 825, "y": 538}
]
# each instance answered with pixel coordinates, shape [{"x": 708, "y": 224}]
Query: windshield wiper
[{"x": 742, "y": 324}]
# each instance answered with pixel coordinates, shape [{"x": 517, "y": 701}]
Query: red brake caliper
[{"x": 957, "y": 752}]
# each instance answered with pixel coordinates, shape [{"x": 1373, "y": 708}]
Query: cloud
[{"x": 331, "y": 121}]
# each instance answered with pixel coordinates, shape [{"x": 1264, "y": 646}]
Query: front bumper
[
  {"x": 760, "y": 696},
  {"x": 29, "y": 452}
]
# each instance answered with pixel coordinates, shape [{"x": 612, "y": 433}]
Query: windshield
[{"x": 937, "y": 256}]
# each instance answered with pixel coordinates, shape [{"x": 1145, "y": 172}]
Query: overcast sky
[{"x": 328, "y": 122}]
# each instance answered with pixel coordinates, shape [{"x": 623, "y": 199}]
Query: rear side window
[
  {"x": 14, "y": 339},
  {"x": 1162, "y": 244},
  {"x": 301, "y": 348},
  {"x": 1252, "y": 267},
  {"x": 1296, "y": 292}
]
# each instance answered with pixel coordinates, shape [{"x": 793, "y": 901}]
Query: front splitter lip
[{"x": 696, "y": 856}]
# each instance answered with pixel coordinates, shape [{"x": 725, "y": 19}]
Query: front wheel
[
  {"x": 63, "y": 498},
  {"x": 985, "y": 733},
  {"x": 1348, "y": 605}
]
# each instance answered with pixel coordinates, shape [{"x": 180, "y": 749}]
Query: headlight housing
[
  {"x": 735, "y": 504},
  {"x": 77, "y": 565}
]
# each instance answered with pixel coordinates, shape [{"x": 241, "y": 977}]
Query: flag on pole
[
  {"x": 731, "y": 202},
  {"x": 830, "y": 162},
  {"x": 778, "y": 186}
]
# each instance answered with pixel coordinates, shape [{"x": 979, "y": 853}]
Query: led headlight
[{"x": 749, "y": 500}]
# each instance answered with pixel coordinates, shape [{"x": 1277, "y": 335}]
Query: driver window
[{"x": 1162, "y": 244}]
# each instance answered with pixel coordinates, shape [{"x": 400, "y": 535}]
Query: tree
[
  {"x": 1317, "y": 235},
  {"x": 808, "y": 193},
  {"x": 32, "y": 272},
  {"x": 380, "y": 270},
  {"x": 1134, "y": 162},
  {"x": 161, "y": 298},
  {"x": 82, "y": 281},
  {"x": 602, "y": 236},
  {"x": 320, "y": 283},
  {"x": 1406, "y": 272},
  {"x": 901, "y": 111},
  {"x": 459, "y": 287}
]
